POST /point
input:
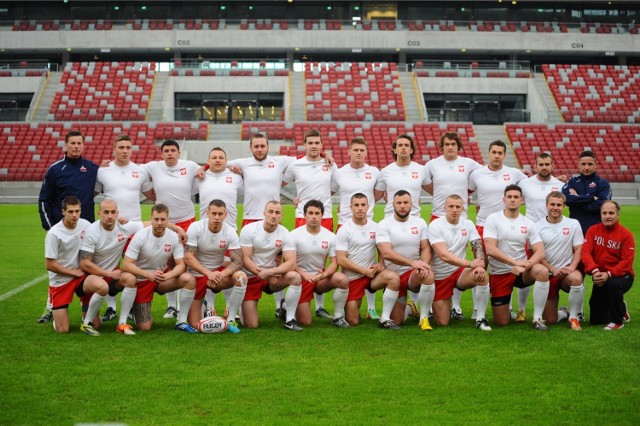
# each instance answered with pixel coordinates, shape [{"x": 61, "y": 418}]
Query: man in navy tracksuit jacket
[
  {"x": 586, "y": 192},
  {"x": 72, "y": 175}
]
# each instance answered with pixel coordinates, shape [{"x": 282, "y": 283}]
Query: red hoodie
[{"x": 609, "y": 250}]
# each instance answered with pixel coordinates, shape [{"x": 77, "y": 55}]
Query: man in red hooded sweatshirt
[{"x": 607, "y": 254}]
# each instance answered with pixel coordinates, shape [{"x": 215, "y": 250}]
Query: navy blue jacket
[
  {"x": 67, "y": 177},
  {"x": 585, "y": 207}
]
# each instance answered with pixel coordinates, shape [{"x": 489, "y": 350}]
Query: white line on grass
[{"x": 22, "y": 287}]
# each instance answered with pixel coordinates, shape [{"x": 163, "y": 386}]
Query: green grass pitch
[{"x": 364, "y": 375}]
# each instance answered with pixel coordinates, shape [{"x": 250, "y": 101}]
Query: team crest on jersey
[
  {"x": 167, "y": 248},
  {"x": 565, "y": 231},
  {"x": 523, "y": 229},
  {"x": 271, "y": 164},
  {"x": 183, "y": 171},
  {"x": 278, "y": 243},
  {"x": 414, "y": 175},
  {"x": 367, "y": 175},
  {"x": 461, "y": 168},
  {"x": 506, "y": 177},
  {"x": 414, "y": 230},
  {"x": 555, "y": 188},
  {"x": 134, "y": 175},
  {"x": 223, "y": 243},
  {"x": 229, "y": 179},
  {"x": 83, "y": 169},
  {"x": 325, "y": 245},
  {"x": 592, "y": 185},
  {"x": 464, "y": 232},
  {"x": 120, "y": 238},
  {"x": 372, "y": 235},
  {"x": 325, "y": 168}
]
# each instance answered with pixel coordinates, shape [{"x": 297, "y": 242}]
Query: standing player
[
  {"x": 174, "y": 184},
  {"x": 72, "y": 175},
  {"x": 146, "y": 261},
  {"x": 61, "y": 246},
  {"x": 357, "y": 176},
  {"x": 447, "y": 175},
  {"x": 449, "y": 236},
  {"x": 402, "y": 241},
  {"x": 123, "y": 181},
  {"x": 608, "y": 254},
  {"x": 100, "y": 255},
  {"x": 207, "y": 241},
  {"x": 507, "y": 236},
  {"x": 586, "y": 192},
  {"x": 562, "y": 240},
  {"x": 263, "y": 244},
  {"x": 314, "y": 244},
  {"x": 356, "y": 253}
]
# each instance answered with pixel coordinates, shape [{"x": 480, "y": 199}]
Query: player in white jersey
[
  {"x": 448, "y": 175},
  {"x": 535, "y": 190},
  {"x": 207, "y": 242},
  {"x": 147, "y": 260},
  {"x": 61, "y": 247},
  {"x": 507, "y": 237},
  {"x": 403, "y": 173},
  {"x": 123, "y": 181},
  {"x": 357, "y": 176},
  {"x": 403, "y": 243},
  {"x": 312, "y": 177},
  {"x": 449, "y": 237},
  {"x": 356, "y": 253},
  {"x": 100, "y": 255},
  {"x": 562, "y": 239},
  {"x": 314, "y": 245},
  {"x": 269, "y": 258}
]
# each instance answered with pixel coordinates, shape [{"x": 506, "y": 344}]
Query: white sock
[
  {"x": 210, "y": 298},
  {"x": 562, "y": 316},
  {"x": 511, "y": 303},
  {"x": 94, "y": 307},
  {"x": 425, "y": 297},
  {"x": 473, "y": 294},
  {"x": 576, "y": 300},
  {"x": 235, "y": 299},
  {"x": 523, "y": 295},
  {"x": 482, "y": 300},
  {"x": 186, "y": 298},
  {"x": 540, "y": 294},
  {"x": 279, "y": 297},
  {"x": 111, "y": 302},
  {"x": 371, "y": 299},
  {"x": 339, "y": 301},
  {"x": 48, "y": 305},
  {"x": 319, "y": 298},
  {"x": 291, "y": 299},
  {"x": 127, "y": 298},
  {"x": 227, "y": 295},
  {"x": 171, "y": 299},
  {"x": 389, "y": 298},
  {"x": 455, "y": 299}
]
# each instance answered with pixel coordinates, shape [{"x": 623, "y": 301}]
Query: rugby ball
[{"x": 212, "y": 325}]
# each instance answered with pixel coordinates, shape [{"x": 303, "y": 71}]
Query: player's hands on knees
[
  {"x": 77, "y": 273},
  {"x": 115, "y": 274},
  {"x": 376, "y": 268},
  {"x": 265, "y": 274},
  {"x": 159, "y": 276},
  {"x": 479, "y": 274},
  {"x": 518, "y": 270},
  {"x": 477, "y": 263}
]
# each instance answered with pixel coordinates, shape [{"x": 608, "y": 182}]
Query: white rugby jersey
[
  {"x": 313, "y": 182},
  {"x": 152, "y": 253},
  {"x": 262, "y": 182},
  {"x": 512, "y": 236},
  {"x": 267, "y": 246},
  {"x": 107, "y": 246},
  {"x": 405, "y": 238},
  {"x": 559, "y": 239},
  {"x": 489, "y": 185},
  {"x": 347, "y": 181},
  {"x": 535, "y": 193},
  {"x": 211, "y": 246},
  {"x": 455, "y": 237},
  {"x": 174, "y": 187},
  {"x": 448, "y": 178},
  {"x": 359, "y": 241},
  {"x": 223, "y": 186},
  {"x": 312, "y": 250},
  {"x": 394, "y": 178},
  {"x": 63, "y": 245},
  {"x": 123, "y": 184}
]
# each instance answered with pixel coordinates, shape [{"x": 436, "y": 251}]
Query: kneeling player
[
  {"x": 61, "y": 247},
  {"x": 314, "y": 244},
  {"x": 506, "y": 236},
  {"x": 146, "y": 260},
  {"x": 449, "y": 237},
  {"x": 562, "y": 239},
  {"x": 263, "y": 244},
  {"x": 356, "y": 253},
  {"x": 207, "y": 241},
  {"x": 402, "y": 241}
]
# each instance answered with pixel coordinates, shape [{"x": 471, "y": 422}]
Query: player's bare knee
[{"x": 239, "y": 279}]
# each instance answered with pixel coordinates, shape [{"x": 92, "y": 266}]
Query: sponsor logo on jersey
[
  {"x": 565, "y": 231},
  {"x": 167, "y": 248},
  {"x": 223, "y": 243},
  {"x": 278, "y": 243},
  {"x": 372, "y": 235},
  {"x": 414, "y": 175},
  {"x": 120, "y": 238},
  {"x": 325, "y": 168},
  {"x": 464, "y": 232},
  {"x": 325, "y": 245},
  {"x": 83, "y": 169},
  {"x": 461, "y": 168},
  {"x": 271, "y": 165},
  {"x": 523, "y": 229},
  {"x": 414, "y": 230},
  {"x": 554, "y": 188},
  {"x": 367, "y": 175},
  {"x": 134, "y": 175},
  {"x": 183, "y": 171},
  {"x": 506, "y": 177},
  {"x": 592, "y": 185},
  {"x": 229, "y": 179}
]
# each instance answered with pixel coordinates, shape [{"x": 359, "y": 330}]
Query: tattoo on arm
[
  {"x": 478, "y": 251},
  {"x": 191, "y": 249},
  {"x": 85, "y": 255},
  {"x": 236, "y": 261}
]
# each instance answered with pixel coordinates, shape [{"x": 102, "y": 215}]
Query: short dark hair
[
  {"x": 313, "y": 203},
  {"x": 160, "y": 208},
  {"x": 450, "y": 135},
  {"x": 358, "y": 195},
  {"x": 544, "y": 155},
  {"x": 258, "y": 136},
  {"x": 358, "y": 141},
  {"x": 169, "y": 142},
  {"x": 70, "y": 200},
  {"x": 312, "y": 133},
  {"x": 513, "y": 187},
  {"x": 217, "y": 148},
  {"x": 122, "y": 137},
  {"x": 587, "y": 153},
  {"x": 401, "y": 192},
  {"x": 217, "y": 203},
  {"x": 73, "y": 133},
  {"x": 499, "y": 143},
  {"x": 556, "y": 194},
  {"x": 395, "y": 143}
]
